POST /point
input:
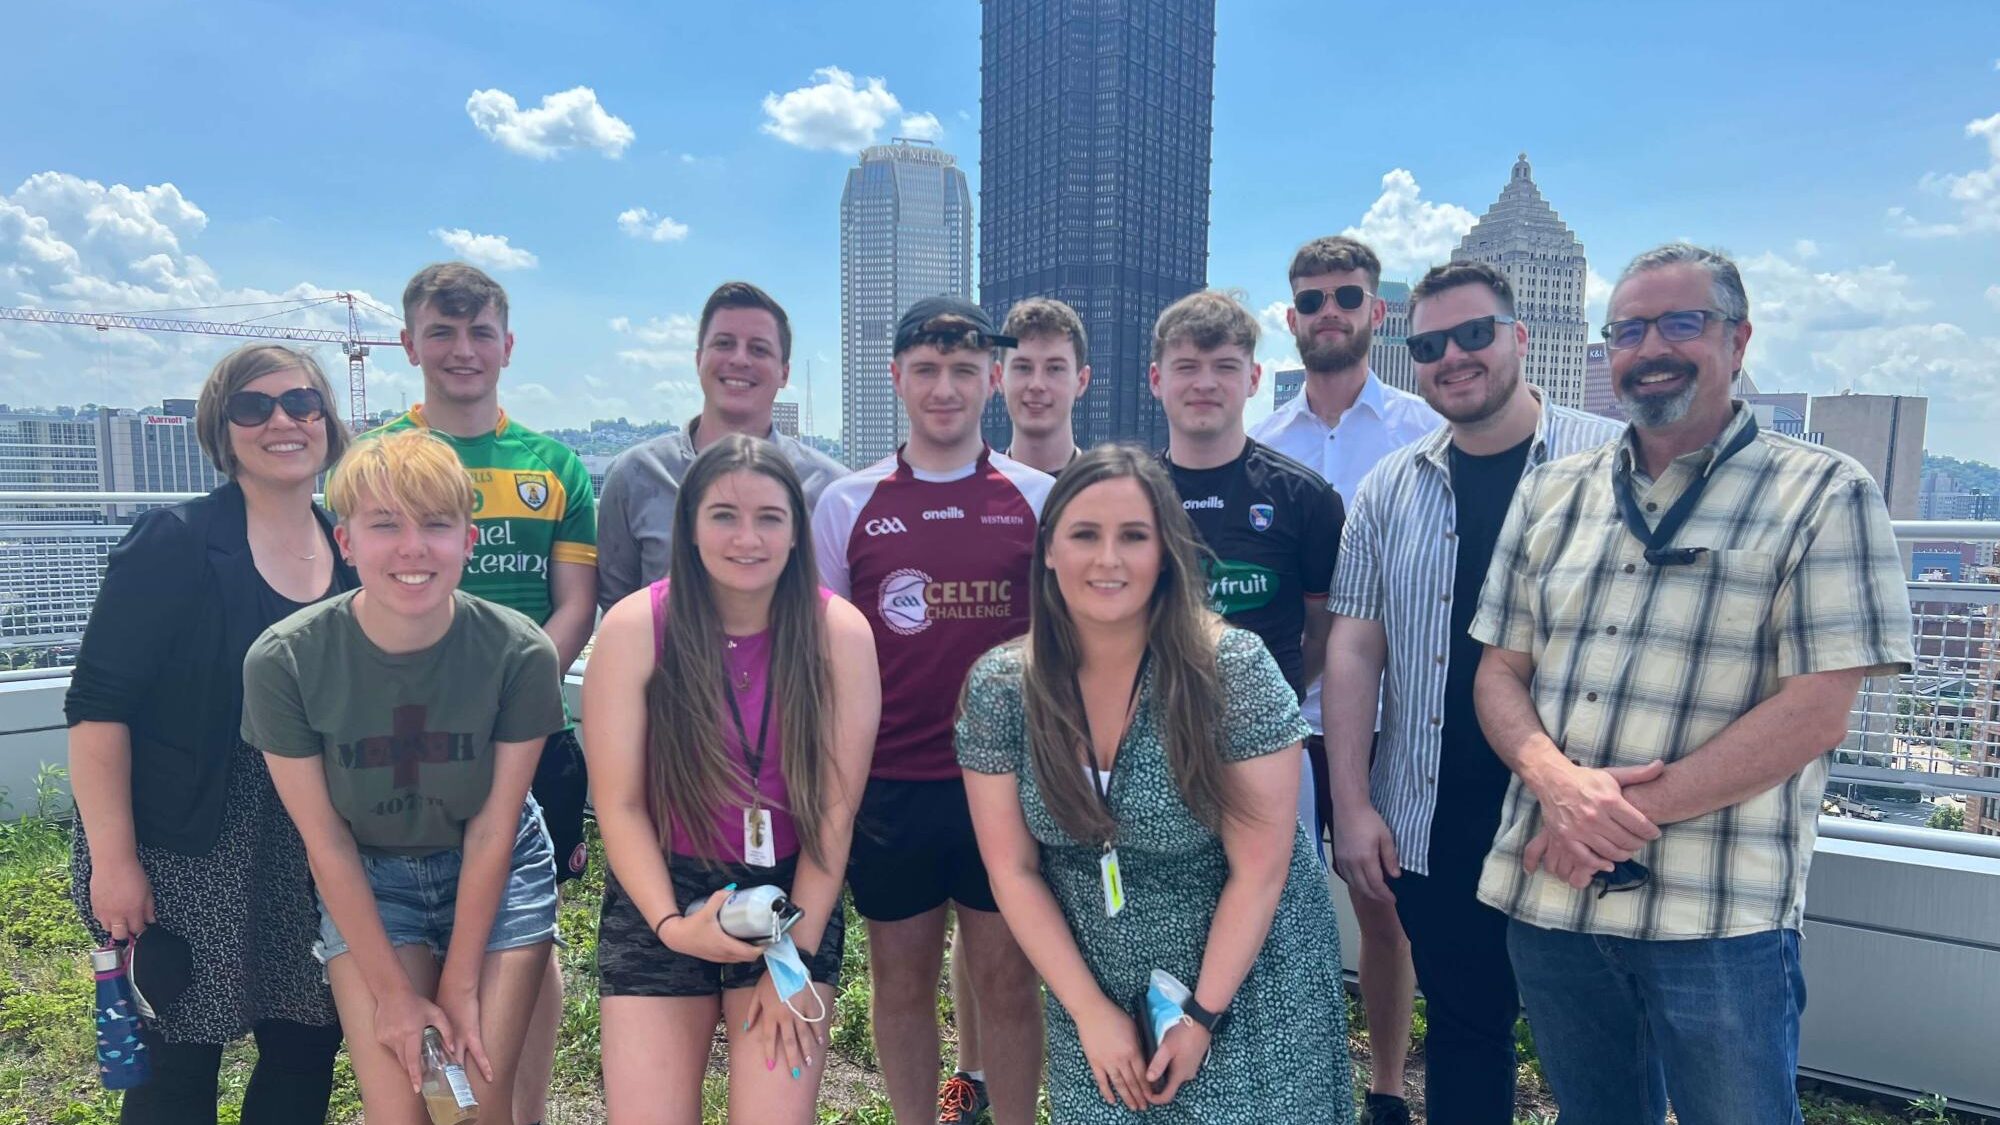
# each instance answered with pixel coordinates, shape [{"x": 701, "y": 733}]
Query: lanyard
[
  {"x": 1100, "y": 780},
  {"x": 1657, "y": 539},
  {"x": 754, "y": 764}
]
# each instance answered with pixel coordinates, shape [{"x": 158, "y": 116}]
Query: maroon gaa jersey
[{"x": 938, "y": 563}]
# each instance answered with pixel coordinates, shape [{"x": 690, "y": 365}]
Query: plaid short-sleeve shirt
[{"x": 1636, "y": 662}]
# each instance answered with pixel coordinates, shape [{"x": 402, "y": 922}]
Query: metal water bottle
[
  {"x": 122, "y": 1059},
  {"x": 447, "y": 1095},
  {"x": 759, "y": 915}
]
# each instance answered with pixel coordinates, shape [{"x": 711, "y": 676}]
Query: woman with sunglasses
[{"x": 179, "y": 827}]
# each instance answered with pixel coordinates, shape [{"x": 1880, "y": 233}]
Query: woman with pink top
[{"x": 729, "y": 717}]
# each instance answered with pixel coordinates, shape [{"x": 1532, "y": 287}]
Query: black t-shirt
[
  {"x": 1482, "y": 488},
  {"x": 1274, "y": 528}
]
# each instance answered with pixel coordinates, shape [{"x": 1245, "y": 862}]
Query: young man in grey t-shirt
[{"x": 743, "y": 354}]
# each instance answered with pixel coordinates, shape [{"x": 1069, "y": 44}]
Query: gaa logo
[
  {"x": 903, "y": 608},
  {"x": 889, "y": 525}
]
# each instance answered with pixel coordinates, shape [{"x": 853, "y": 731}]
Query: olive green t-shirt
[{"x": 407, "y": 738}]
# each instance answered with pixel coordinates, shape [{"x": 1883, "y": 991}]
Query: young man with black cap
[{"x": 933, "y": 544}]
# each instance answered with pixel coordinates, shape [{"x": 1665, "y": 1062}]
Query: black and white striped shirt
[{"x": 1399, "y": 550}]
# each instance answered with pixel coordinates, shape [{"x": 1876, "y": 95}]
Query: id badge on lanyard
[
  {"x": 1114, "y": 885},
  {"x": 759, "y": 849}
]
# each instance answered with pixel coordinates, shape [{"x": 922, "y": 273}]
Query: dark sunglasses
[
  {"x": 253, "y": 408},
  {"x": 1310, "y": 301},
  {"x": 1676, "y": 327},
  {"x": 1471, "y": 336},
  {"x": 1629, "y": 875}
]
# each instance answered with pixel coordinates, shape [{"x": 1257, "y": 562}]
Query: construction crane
[{"x": 352, "y": 343}]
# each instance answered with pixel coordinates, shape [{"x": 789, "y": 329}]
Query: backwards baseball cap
[{"x": 910, "y": 329}]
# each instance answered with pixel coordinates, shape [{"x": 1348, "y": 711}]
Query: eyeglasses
[
  {"x": 1310, "y": 301},
  {"x": 1471, "y": 336},
  {"x": 253, "y": 408},
  {"x": 1676, "y": 327}
]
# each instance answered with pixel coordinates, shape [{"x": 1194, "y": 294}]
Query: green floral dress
[{"x": 1282, "y": 1054}]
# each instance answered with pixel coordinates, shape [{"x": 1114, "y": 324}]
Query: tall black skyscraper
[{"x": 1093, "y": 181}]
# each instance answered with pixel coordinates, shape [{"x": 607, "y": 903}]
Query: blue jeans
[
  {"x": 416, "y": 896},
  {"x": 1623, "y": 1025}
]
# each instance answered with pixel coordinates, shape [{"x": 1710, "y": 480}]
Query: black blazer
[{"x": 163, "y": 654}]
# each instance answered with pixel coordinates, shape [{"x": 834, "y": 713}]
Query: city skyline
[{"x": 612, "y": 193}]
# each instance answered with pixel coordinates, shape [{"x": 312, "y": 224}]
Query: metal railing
[{"x": 1933, "y": 732}]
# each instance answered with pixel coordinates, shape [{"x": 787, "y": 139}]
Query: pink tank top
[{"x": 746, "y": 664}]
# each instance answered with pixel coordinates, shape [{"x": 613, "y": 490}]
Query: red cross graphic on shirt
[{"x": 407, "y": 748}]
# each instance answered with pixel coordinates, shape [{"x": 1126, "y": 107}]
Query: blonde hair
[
  {"x": 410, "y": 471},
  {"x": 238, "y": 370}
]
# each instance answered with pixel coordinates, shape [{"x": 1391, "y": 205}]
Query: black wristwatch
[{"x": 1211, "y": 1022}]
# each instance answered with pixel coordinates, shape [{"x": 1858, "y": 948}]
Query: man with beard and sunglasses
[
  {"x": 1677, "y": 624},
  {"x": 1339, "y": 425},
  {"x": 1411, "y": 831}
]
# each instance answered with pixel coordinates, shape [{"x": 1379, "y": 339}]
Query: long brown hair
[
  {"x": 690, "y": 773},
  {"x": 1181, "y": 639}
]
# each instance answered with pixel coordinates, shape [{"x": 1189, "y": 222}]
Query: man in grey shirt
[{"x": 743, "y": 355}]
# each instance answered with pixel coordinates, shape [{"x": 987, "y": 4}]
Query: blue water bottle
[{"x": 122, "y": 1059}]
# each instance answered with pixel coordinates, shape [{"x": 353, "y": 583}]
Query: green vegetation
[{"x": 47, "y": 1052}]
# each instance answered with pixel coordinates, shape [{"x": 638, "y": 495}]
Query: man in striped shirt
[
  {"x": 1414, "y": 830},
  {"x": 1677, "y": 623}
]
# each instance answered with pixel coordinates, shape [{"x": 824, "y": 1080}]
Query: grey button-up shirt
[
  {"x": 635, "y": 515},
  {"x": 1398, "y": 549}
]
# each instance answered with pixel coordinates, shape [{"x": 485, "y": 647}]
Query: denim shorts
[{"x": 416, "y": 895}]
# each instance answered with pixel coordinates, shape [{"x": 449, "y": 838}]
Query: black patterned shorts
[{"x": 632, "y": 961}]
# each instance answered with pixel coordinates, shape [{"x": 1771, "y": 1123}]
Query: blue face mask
[
  {"x": 1164, "y": 996},
  {"x": 789, "y": 977}
]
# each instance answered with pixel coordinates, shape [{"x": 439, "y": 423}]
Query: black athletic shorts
[
  {"x": 561, "y": 787},
  {"x": 914, "y": 850},
  {"x": 632, "y": 961}
]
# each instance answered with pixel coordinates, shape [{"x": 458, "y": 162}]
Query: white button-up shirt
[{"x": 1382, "y": 419}]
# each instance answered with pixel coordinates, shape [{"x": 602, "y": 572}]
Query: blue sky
[{"x": 1847, "y": 154}]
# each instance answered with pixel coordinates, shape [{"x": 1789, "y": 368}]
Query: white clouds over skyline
[
  {"x": 1408, "y": 232},
  {"x": 833, "y": 114},
  {"x": 568, "y": 121},
  {"x": 487, "y": 251},
  {"x": 1974, "y": 194},
  {"x": 921, "y": 127}
]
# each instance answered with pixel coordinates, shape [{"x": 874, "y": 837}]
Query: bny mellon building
[
  {"x": 905, "y": 234},
  {"x": 1523, "y": 236}
]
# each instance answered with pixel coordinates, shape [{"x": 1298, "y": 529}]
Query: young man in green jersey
[{"x": 536, "y": 551}]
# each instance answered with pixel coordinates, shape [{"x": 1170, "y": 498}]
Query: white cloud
[
  {"x": 1410, "y": 233},
  {"x": 1805, "y": 249},
  {"x": 832, "y": 113},
  {"x": 921, "y": 127},
  {"x": 641, "y": 223},
  {"x": 1975, "y": 194},
  {"x": 1596, "y": 295},
  {"x": 75, "y": 244},
  {"x": 487, "y": 251},
  {"x": 566, "y": 121},
  {"x": 662, "y": 345},
  {"x": 1863, "y": 329}
]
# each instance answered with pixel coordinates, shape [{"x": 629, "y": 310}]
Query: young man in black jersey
[{"x": 1273, "y": 524}]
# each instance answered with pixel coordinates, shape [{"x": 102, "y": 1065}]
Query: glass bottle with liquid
[{"x": 447, "y": 1095}]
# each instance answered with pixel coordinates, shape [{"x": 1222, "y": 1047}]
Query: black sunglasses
[
  {"x": 1676, "y": 327},
  {"x": 1629, "y": 875},
  {"x": 1310, "y": 301},
  {"x": 253, "y": 408},
  {"x": 1471, "y": 336}
]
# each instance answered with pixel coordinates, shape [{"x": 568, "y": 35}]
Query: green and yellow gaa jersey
[{"x": 533, "y": 505}]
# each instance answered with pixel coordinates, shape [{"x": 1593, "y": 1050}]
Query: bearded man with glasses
[
  {"x": 1339, "y": 425},
  {"x": 1676, "y": 625}
]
